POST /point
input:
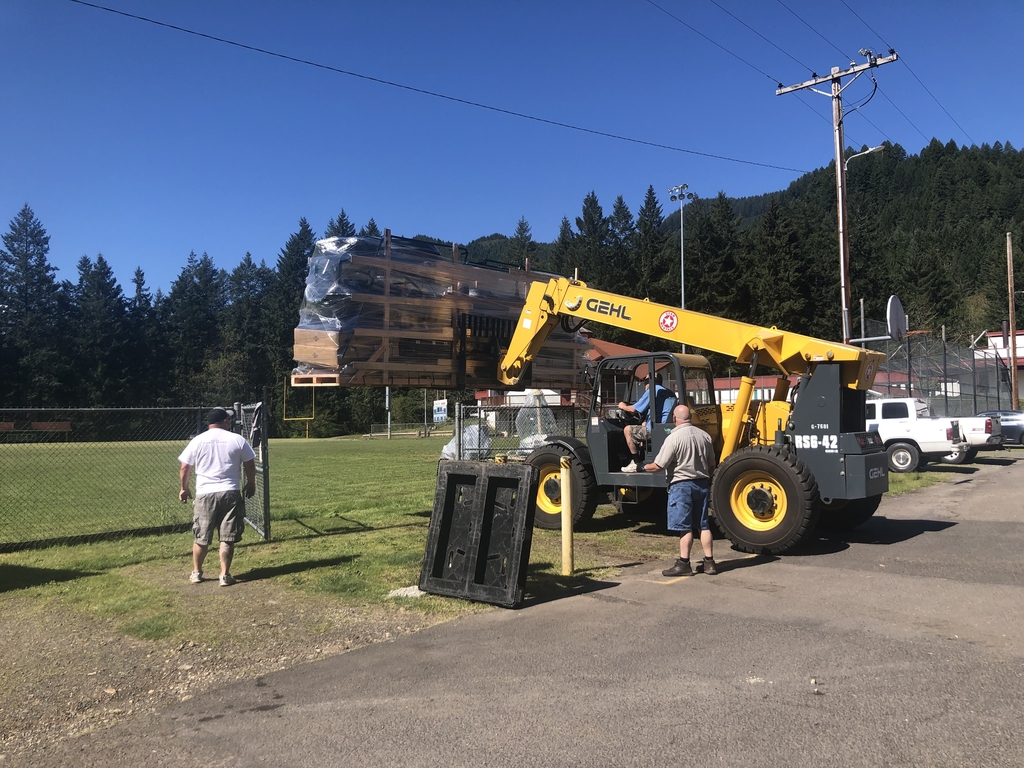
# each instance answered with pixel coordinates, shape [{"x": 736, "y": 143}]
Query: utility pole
[
  {"x": 1014, "y": 392},
  {"x": 836, "y": 78}
]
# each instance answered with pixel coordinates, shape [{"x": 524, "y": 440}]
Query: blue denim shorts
[{"x": 684, "y": 499}]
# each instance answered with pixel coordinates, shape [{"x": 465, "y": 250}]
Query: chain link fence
[
  {"x": 79, "y": 473},
  {"x": 954, "y": 380},
  {"x": 512, "y": 431}
]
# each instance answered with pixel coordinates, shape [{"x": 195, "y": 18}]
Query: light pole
[
  {"x": 844, "y": 236},
  {"x": 679, "y": 193}
]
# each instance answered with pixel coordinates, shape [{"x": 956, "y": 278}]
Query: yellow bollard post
[{"x": 567, "y": 556}]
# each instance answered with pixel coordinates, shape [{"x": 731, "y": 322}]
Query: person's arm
[
  {"x": 652, "y": 467},
  {"x": 250, "y": 478},
  {"x": 184, "y": 474}
]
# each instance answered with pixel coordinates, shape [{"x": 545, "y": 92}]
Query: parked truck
[
  {"x": 911, "y": 436},
  {"x": 805, "y": 453}
]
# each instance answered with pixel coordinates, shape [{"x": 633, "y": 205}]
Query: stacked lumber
[{"x": 389, "y": 311}]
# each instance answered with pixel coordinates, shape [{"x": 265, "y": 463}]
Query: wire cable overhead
[{"x": 434, "y": 94}]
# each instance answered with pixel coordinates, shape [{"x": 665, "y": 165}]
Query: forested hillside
[{"x": 929, "y": 227}]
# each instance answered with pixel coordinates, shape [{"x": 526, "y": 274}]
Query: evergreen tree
[
  {"x": 560, "y": 255},
  {"x": 776, "y": 284},
  {"x": 244, "y": 363},
  {"x": 146, "y": 346},
  {"x": 712, "y": 275},
  {"x": 371, "y": 230},
  {"x": 590, "y": 248},
  {"x": 521, "y": 246},
  {"x": 340, "y": 227},
  {"x": 32, "y": 348},
  {"x": 101, "y": 364},
  {"x": 647, "y": 264},
  {"x": 287, "y": 291},
  {"x": 192, "y": 316},
  {"x": 621, "y": 243}
]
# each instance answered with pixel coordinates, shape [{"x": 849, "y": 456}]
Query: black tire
[
  {"x": 903, "y": 457},
  {"x": 548, "y": 461},
  {"x": 960, "y": 457},
  {"x": 765, "y": 499},
  {"x": 847, "y": 514}
]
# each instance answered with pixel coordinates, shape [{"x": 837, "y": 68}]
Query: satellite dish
[{"x": 896, "y": 318}]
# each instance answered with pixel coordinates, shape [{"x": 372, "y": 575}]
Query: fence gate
[{"x": 251, "y": 424}]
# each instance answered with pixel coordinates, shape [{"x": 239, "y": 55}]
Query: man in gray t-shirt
[{"x": 688, "y": 457}]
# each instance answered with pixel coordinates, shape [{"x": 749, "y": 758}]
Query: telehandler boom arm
[{"x": 548, "y": 303}]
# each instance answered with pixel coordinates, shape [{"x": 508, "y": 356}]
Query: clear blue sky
[{"x": 143, "y": 143}]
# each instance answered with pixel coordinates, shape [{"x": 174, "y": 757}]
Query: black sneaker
[
  {"x": 709, "y": 566},
  {"x": 681, "y": 568}
]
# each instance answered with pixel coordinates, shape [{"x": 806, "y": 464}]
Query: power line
[
  {"x": 737, "y": 18},
  {"x": 434, "y": 94},
  {"x": 717, "y": 45},
  {"x": 848, "y": 58},
  {"x": 901, "y": 112},
  {"x": 913, "y": 73}
]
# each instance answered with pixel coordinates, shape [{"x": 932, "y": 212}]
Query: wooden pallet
[{"x": 321, "y": 379}]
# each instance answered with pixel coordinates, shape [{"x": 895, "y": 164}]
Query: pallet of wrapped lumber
[{"x": 391, "y": 311}]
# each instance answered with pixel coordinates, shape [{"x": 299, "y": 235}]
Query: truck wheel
[
  {"x": 847, "y": 514},
  {"x": 548, "y": 461},
  {"x": 966, "y": 457},
  {"x": 765, "y": 499},
  {"x": 903, "y": 457}
]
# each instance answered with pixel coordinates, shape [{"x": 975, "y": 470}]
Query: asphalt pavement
[{"x": 898, "y": 644}]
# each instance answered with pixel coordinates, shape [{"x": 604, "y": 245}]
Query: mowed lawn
[{"x": 349, "y": 521}]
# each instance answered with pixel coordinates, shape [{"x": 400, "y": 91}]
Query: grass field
[{"x": 350, "y": 520}]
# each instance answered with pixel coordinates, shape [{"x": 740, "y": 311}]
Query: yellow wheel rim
[
  {"x": 758, "y": 501},
  {"x": 547, "y": 503}
]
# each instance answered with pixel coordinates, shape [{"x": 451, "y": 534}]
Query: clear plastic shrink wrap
[{"x": 392, "y": 311}]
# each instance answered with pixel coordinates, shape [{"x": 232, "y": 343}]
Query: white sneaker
[
  {"x": 196, "y": 577},
  {"x": 226, "y": 580},
  {"x": 631, "y": 467}
]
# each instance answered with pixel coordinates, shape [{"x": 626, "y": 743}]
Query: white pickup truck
[
  {"x": 978, "y": 433},
  {"x": 911, "y": 436}
]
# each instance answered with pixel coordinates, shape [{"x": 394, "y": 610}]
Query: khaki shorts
[
  {"x": 224, "y": 512},
  {"x": 639, "y": 433}
]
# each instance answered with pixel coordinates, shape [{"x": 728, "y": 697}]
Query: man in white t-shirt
[{"x": 218, "y": 455}]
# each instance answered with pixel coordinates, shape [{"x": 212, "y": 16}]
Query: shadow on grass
[
  {"x": 347, "y": 525},
  {"x": 14, "y": 577},
  {"x": 878, "y": 530},
  {"x": 89, "y": 538},
  {"x": 298, "y": 567}
]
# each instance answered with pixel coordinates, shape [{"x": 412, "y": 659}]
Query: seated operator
[{"x": 638, "y": 434}]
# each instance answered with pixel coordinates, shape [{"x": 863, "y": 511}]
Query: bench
[
  {"x": 52, "y": 426},
  {"x": 39, "y": 428}
]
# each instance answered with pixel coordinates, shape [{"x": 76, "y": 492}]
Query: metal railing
[{"x": 79, "y": 473}]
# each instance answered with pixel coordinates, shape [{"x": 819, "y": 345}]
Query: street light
[
  {"x": 846, "y": 163},
  {"x": 844, "y": 237},
  {"x": 679, "y": 193}
]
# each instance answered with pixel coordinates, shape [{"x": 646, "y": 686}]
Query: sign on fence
[{"x": 440, "y": 410}]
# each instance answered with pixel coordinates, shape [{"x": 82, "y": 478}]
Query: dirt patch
[{"x": 65, "y": 673}]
